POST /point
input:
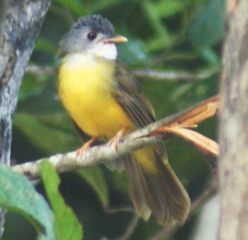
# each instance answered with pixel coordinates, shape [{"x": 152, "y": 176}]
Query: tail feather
[
  {"x": 160, "y": 193},
  {"x": 137, "y": 192}
]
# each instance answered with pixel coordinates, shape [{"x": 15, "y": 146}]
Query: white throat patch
[{"x": 105, "y": 50}]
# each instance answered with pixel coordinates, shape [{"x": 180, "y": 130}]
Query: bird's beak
[{"x": 116, "y": 39}]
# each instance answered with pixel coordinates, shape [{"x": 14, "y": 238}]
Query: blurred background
[{"x": 179, "y": 43}]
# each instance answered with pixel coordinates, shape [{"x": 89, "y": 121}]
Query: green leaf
[
  {"x": 169, "y": 8},
  {"x": 67, "y": 226},
  {"x": 163, "y": 38},
  {"x": 133, "y": 52},
  {"x": 74, "y": 6},
  {"x": 94, "y": 177},
  {"x": 211, "y": 57},
  {"x": 18, "y": 194},
  {"x": 208, "y": 26},
  {"x": 31, "y": 87},
  {"x": 41, "y": 136},
  {"x": 45, "y": 45},
  {"x": 99, "y": 6}
]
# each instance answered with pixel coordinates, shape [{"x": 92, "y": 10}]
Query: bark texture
[
  {"x": 20, "y": 23},
  {"x": 233, "y": 165}
]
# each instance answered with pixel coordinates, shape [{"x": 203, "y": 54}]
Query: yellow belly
[{"x": 85, "y": 91}]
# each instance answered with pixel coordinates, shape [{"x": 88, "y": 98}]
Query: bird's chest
[{"x": 86, "y": 94}]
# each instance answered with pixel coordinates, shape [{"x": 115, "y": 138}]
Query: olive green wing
[
  {"x": 136, "y": 106},
  {"x": 162, "y": 193}
]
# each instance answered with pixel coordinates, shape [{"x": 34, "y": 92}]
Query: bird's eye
[{"x": 91, "y": 35}]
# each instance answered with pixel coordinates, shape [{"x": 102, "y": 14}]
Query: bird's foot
[
  {"x": 115, "y": 141},
  {"x": 85, "y": 147}
]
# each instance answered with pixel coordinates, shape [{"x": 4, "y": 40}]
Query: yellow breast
[{"x": 85, "y": 89}]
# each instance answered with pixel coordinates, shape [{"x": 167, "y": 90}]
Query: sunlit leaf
[
  {"x": 18, "y": 194},
  {"x": 168, "y": 7},
  {"x": 163, "y": 38},
  {"x": 66, "y": 224}
]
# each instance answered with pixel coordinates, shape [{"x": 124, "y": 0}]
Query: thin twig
[
  {"x": 206, "y": 145},
  {"x": 175, "y": 75},
  {"x": 140, "y": 138},
  {"x": 38, "y": 70},
  {"x": 130, "y": 228},
  {"x": 132, "y": 224}
]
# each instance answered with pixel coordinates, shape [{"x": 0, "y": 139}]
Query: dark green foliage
[{"x": 172, "y": 35}]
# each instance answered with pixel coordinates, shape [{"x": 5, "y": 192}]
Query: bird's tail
[{"x": 155, "y": 188}]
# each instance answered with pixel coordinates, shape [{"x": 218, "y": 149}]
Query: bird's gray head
[{"x": 92, "y": 35}]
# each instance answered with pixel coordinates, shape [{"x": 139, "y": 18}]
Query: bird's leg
[
  {"x": 85, "y": 147},
  {"x": 115, "y": 141}
]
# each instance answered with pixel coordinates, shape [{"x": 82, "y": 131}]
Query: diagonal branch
[
  {"x": 206, "y": 145},
  {"x": 176, "y": 124}
]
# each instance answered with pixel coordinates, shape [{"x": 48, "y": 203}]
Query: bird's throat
[{"x": 85, "y": 89}]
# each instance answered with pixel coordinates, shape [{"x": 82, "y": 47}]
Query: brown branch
[
  {"x": 197, "y": 114},
  {"x": 204, "y": 144},
  {"x": 140, "y": 138},
  {"x": 189, "y": 119}
]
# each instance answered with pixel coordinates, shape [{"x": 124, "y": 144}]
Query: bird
[{"x": 101, "y": 96}]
